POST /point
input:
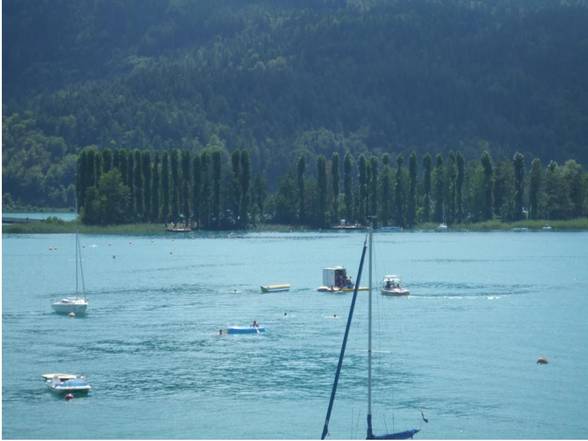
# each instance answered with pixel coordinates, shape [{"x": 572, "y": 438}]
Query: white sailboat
[
  {"x": 78, "y": 303},
  {"x": 370, "y": 434}
]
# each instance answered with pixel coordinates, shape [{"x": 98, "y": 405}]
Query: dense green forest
[
  {"x": 217, "y": 190},
  {"x": 287, "y": 78}
]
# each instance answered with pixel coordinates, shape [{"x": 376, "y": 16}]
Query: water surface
[{"x": 462, "y": 347}]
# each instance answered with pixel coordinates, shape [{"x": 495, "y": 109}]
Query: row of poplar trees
[
  {"x": 215, "y": 190},
  {"x": 180, "y": 187},
  {"x": 440, "y": 189}
]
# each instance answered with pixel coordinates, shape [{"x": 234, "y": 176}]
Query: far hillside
[{"x": 284, "y": 78}]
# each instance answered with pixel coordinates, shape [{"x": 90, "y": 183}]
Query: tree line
[{"x": 215, "y": 189}]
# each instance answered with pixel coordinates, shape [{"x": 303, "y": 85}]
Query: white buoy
[{"x": 71, "y": 314}]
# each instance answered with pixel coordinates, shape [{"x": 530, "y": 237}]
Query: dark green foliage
[
  {"x": 235, "y": 197},
  {"x": 386, "y": 185},
  {"x": 205, "y": 191},
  {"x": 451, "y": 175},
  {"x": 108, "y": 202},
  {"x": 373, "y": 187}
]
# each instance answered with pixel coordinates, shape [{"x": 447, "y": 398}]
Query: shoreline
[{"x": 63, "y": 227}]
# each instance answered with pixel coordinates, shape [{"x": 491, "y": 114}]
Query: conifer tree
[
  {"x": 386, "y": 190},
  {"x": 186, "y": 184},
  {"x": 519, "y": 174},
  {"x": 300, "y": 168},
  {"x": 196, "y": 187},
  {"x": 236, "y": 185},
  {"x": 165, "y": 188},
  {"x": 216, "y": 178},
  {"x": 459, "y": 187},
  {"x": 147, "y": 184},
  {"x": 155, "y": 190},
  {"x": 399, "y": 193},
  {"x": 335, "y": 185},
  {"x": 535, "y": 183},
  {"x": 488, "y": 186},
  {"x": 175, "y": 185},
  {"x": 373, "y": 187},
  {"x": 245, "y": 180},
  {"x": 439, "y": 213},
  {"x": 362, "y": 203},
  {"x": 322, "y": 190},
  {"x": 451, "y": 188},
  {"x": 138, "y": 181}
]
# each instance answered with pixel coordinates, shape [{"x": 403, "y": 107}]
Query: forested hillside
[{"x": 281, "y": 78}]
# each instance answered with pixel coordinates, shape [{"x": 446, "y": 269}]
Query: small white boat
[
  {"x": 245, "y": 329},
  {"x": 67, "y": 383},
  {"x": 391, "y": 287},
  {"x": 275, "y": 288},
  {"x": 67, "y": 305},
  {"x": 442, "y": 227}
]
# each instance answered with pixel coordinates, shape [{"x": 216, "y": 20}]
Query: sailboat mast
[
  {"x": 77, "y": 260},
  {"x": 369, "y": 412}
]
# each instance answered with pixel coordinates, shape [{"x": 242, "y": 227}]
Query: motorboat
[
  {"x": 275, "y": 288},
  {"x": 336, "y": 280},
  {"x": 67, "y": 383},
  {"x": 391, "y": 286}
]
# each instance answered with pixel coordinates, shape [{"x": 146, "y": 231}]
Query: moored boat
[
  {"x": 245, "y": 329},
  {"x": 67, "y": 383},
  {"x": 391, "y": 287},
  {"x": 336, "y": 280},
  {"x": 275, "y": 288},
  {"x": 68, "y": 305}
]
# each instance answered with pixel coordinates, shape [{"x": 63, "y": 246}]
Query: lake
[{"x": 462, "y": 347}]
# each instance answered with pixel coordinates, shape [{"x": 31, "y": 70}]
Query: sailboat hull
[
  {"x": 407, "y": 434},
  {"x": 68, "y": 305}
]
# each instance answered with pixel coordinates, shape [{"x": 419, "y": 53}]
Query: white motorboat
[
  {"x": 391, "y": 286},
  {"x": 78, "y": 303}
]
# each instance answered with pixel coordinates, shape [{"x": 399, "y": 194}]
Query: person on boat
[
  {"x": 349, "y": 282},
  {"x": 388, "y": 284},
  {"x": 255, "y": 324},
  {"x": 220, "y": 332}
]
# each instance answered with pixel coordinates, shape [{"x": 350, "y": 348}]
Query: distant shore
[{"x": 56, "y": 226}]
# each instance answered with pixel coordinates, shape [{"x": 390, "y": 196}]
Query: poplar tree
[
  {"x": 535, "y": 183},
  {"x": 439, "y": 213},
  {"x": 196, "y": 187},
  {"x": 205, "y": 193},
  {"x": 165, "y": 188},
  {"x": 155, "y": 190},
  {"x": 459, "y": 187},
  {"x": 335, "y": 184},
  {"x": 322, "y": 189},
  {"x": 427, "y": 171},
  {"x": 348, "y": 186},
  {"x": 147, "y": 184},
  {"x": 451, "y": 188},
  {"x": 300, "y": 168},
  {"x": 488, "y": 185},
  {"x": 174, "y": 184},
  {"x": 245, "y": 180},
  {"x": 519, "y": 175},
  {"x": 138, "y": 190},
  {"x": 362, "y": 203},
  {"x": 373, "y": 187},
  {"x": 236, "y": 185},
  {"x": 412, "y": 185},
  {"x": 216, "y": 177},
  {"x": 186, "y": 184},
  {"x": 106, "y": 160},
  {"x": 399, "y": 195},
  {"x": 386, "y": 190}
]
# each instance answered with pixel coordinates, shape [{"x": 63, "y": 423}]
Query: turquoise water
[{"x": 463, "y": 346}]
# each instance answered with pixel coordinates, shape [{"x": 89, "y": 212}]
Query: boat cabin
[
  {"x": 391, "y": 281},
  {"x": 336, "y": 277}
]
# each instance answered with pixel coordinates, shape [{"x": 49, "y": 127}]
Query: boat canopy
[{"x": 335, "y": 276}]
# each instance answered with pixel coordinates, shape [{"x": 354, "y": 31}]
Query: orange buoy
[
  {"x": 69, "y": 397},
  {"x": 542, "y": 360}
]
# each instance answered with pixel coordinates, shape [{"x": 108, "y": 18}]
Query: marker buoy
[
  {"x": 71, "y": 314},
  {"x": 542, "y": 360},
  {"x": 69, "y": 397}
]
